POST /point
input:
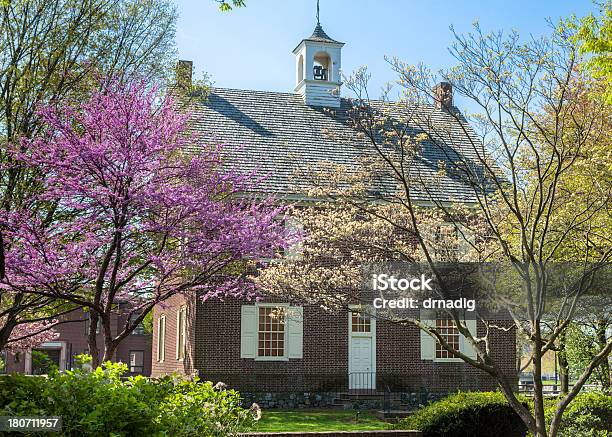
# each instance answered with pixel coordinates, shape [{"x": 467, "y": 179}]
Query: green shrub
[
  {"x": 199, "y": 409},
  {"x": 42, "y": 364},
  {"x": 588, "y": 415},
  {"x": 101, "y": 403},
  {"x": 90, "y": 403},
  {"x": 469, "y": 414}
]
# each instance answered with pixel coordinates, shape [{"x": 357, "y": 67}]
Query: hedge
[
  {"x": 589, "y": 414},
  {"x": 489, "y": 414},
  {"x": 469, "y": 414}
]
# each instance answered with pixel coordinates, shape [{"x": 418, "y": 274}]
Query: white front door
[{"x": 362, "y": 352}]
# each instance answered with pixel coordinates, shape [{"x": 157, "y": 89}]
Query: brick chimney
[
  {"x": 184, "y": 72},
  {"x": 443, "y": 96}
]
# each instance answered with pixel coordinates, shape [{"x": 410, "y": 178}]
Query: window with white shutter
[
  {"x": 432, "y": 350},
  {"x": 271, "y": 332},
  {"x": 448, "y": 331}
]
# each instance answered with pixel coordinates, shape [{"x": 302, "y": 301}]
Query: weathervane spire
[{"x": 318, "y": 12}]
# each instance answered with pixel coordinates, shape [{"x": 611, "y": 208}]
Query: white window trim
[
  {"x": 448, "y": 360},
  {"x": 161, "y": 338},
  {"x": 372, "y": 313},
  {"x": 285, "y": 306},
  {"x": 182, "y": 328}
]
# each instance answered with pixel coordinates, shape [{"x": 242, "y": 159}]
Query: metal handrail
[{"x": 362, "y": 381}]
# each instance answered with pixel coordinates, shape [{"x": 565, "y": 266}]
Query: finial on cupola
[{"x": 318, "y": 68}]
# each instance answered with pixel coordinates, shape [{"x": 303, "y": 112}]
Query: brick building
[
  {"x": 312, "y": 352},
  {"x": 134, "y": 350}
]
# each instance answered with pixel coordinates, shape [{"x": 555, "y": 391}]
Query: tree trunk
[
  {"x": 2, "y": 257},
  {"x": 10, "y": 320},
  {"x": 92, "y": 339},
  {"x": 5, "y": 332},
  {"x": 109, "y": 345},
  {"x": 109, "y": 351},
  {"x": 538, "y": 396},
  {"x": 604, "y": 367},
  {"x": 563, "y": 365},
  {"x": 523, "y": 413}
]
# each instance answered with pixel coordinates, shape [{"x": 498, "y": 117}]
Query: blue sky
[{"x": 250, "y": 48}]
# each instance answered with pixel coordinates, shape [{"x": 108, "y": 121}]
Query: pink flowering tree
[
  {"x": 26, "y": 336},
  {"x": 137, "y": 218}
]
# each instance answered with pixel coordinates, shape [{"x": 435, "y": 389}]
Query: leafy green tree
[
  {"x": 595, "y": 38},
  {"x": 582, "y": 343},
  {"x": 589, "y": 175},
  {"x": 226, "y": 6}
]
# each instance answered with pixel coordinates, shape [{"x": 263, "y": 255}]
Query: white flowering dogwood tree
[{"x": 540, "y": 197}]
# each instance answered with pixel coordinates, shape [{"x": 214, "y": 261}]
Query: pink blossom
[
  {"x": 136, "y": 217},
  {"x": 29, "y": 335}
]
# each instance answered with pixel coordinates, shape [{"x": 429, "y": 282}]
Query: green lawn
[{"x": 317, "y": 420}]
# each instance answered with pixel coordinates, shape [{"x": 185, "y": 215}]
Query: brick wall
[
  {"x": 217, "y": 345},
  {"x": 73, "y": 333},
  {"x": 171, "y": 364},
  {"x": 324, "y": 367},
  {"x": 399, "y": 363}
]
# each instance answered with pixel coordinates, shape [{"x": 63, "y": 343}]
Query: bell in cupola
[{"x": 318, "y": 60}]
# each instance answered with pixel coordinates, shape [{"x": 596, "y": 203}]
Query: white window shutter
[
  {"x": 428, "y": 343},
  {"x": 464, "y": 345},
  {"x": 248, "y": 331},
  {"x": 295, "y": 328}
]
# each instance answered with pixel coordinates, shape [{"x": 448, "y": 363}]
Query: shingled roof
[
  {"x": 278, "y": 134},
  {"x": 319, "y": 35}
]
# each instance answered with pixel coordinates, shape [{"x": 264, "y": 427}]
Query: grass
[{"x": 318, "y": 420}]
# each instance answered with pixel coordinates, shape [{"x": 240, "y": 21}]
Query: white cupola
[{"x": 317, "y": 62}]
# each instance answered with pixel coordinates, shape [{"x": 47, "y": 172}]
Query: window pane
[
  {"x": 447, "y": 329},
  {"x": 360, "y": 323},
  {"x": 136, "y": 361},
  {"x": 139, "y": 329},
  {"x": 271, "y": 335}
]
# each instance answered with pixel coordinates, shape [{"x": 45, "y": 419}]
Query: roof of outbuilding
[{"x": 278, "y": 134}]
